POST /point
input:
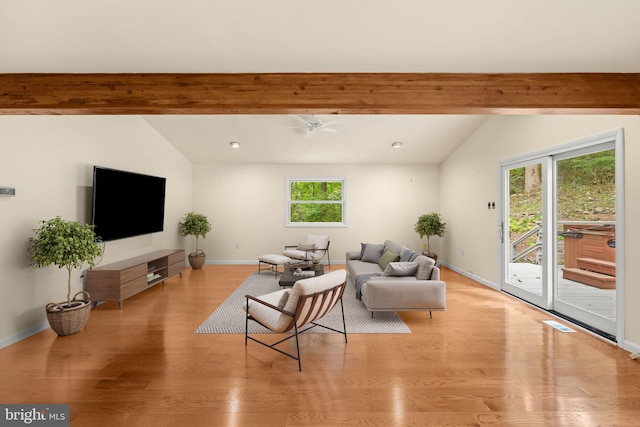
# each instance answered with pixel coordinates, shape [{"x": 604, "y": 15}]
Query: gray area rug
[{"x": 229, "y": 318}]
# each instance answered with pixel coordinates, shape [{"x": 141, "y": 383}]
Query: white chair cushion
[
  {"x": 279, "y": 322},
  {"x": 269, "y": 317},
  {"x": 321, "y": 242},
  {"x": 304, "y": 255},
  {"x": 274, "y": 259}
]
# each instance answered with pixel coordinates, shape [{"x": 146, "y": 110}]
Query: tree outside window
[{"x": 316, "y": 202}]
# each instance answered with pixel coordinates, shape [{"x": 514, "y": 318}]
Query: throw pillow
[
  {"x": 399, "y": 269},
  {"x": 363, "y": 246},
  {"x": 372, "y": 253},
  {"x": 284, "y": 298},
  {"x": 426, "y": 265},
  {"x": 407, "y": 255},
  {"x": 386, "y": 258},
  {"x": 306, "y": 246}
]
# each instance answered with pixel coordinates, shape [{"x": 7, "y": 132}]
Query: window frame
[{"x": 289, "y": 202}]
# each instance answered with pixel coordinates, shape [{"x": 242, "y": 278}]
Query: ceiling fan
[{"x": 313, "y": 124}]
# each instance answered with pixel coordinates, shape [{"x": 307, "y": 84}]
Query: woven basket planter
[
  {"x": 67, "y": 319},
  {"x": 197, "y": 259}
]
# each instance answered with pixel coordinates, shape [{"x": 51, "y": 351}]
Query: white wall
[
  {"x": 246, "y": 206},
  {"x": 469, "y": 179},
  {"x": 49, "y": 160}
]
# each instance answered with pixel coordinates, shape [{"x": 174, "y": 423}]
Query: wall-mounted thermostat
[{"x": 7, "y": 191}]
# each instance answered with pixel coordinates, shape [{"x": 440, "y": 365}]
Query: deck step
[
  {"x": 602, "y": 281},
  {"x": 597, "y": 265}
]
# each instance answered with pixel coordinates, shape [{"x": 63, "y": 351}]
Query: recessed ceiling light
[
  {"x": 397, "y": 144},
  {"x": 234, "y": 144}
]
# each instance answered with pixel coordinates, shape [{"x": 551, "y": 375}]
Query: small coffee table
[{"x": 288, "y": 279}]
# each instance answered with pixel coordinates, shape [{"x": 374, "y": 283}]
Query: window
[{"x": 316, "y": 202}]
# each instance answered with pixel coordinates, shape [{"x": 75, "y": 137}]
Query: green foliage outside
[
  {"x": 586, "y": 192},
  {"x": 592, "y": 169},
  {"x": 588, "y": 170},
  {"x": 524, "y": 224},
  {"x": 313, "y": 201},
  {"x": 302, "y": 212},
  {"x": 318, "y": 191},
  {"x": 66, "y": 244}
]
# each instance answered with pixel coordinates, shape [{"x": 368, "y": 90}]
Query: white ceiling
[
  {"x": 281, "y": 139},
  {"x": 322, "y": 36}
]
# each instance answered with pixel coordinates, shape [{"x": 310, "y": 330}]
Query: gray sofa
[{"x": 389, "y": 277}]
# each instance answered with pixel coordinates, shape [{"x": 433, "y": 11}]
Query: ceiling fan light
[
  {"x": 397, "y": 144},
  {"x": 234, "y": 144}
]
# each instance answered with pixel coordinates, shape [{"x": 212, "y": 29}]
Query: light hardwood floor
[{"x": 486, "y": 361}]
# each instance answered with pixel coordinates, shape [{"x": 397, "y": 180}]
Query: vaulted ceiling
[{"x": 287, "y": 36}]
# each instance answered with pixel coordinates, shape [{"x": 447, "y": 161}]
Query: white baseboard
[
  {"x": 629, "y": 346},
  {"x": 19, "y": 336},
  {"x": 470, "y": 275}
]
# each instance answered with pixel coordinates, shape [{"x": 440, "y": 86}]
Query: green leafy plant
[
  {"x": 194, "y": 224},
  {"x": 524, "y": 224},
  {"x": 64, "y": 243},
  {"x": 430, "y": 225}
]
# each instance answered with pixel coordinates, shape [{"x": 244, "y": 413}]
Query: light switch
[{"x": 7, "y": 191}]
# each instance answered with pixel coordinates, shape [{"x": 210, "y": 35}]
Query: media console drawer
[
  {"x": 133, "y": 273},
  {"x": 123, "y": 279}
]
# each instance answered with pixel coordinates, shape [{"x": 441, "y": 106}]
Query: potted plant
[
  {"x": 67, "y": 244},
  {"x": 197, "y": 225},
  {"x": 430, "y": 225}
]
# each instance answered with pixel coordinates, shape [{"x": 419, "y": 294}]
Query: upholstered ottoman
[{"x": 273, "y": 260}]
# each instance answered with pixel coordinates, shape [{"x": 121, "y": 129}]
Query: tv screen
[{"x": 126, "y": 204}]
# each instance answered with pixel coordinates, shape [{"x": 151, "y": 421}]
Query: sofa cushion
[
  {"x": 400, "y": 269},
  {"x": 377, "y": 295},
  {"x": 357, "y": 267},
  {"x": 408, "y": 255},
  {"x": 425, "y": 267},
  {"x": 386, "y": 258},
  {"x": 390, "y": 245},
  {"x": 371, "y": 252}
]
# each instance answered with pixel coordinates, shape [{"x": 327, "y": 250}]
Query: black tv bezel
[{"x": 136, "y": 205}]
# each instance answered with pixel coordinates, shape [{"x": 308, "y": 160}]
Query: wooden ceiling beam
[{"x": 321, "y": 93}]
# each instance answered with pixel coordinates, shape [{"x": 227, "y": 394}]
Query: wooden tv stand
[{"x": 123, "y": 279}]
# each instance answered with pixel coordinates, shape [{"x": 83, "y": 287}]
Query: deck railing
[
  {"x": 536, "y": 231},
  {"x": 536, "y": 247}
]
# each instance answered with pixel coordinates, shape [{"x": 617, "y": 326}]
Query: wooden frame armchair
[
  {"x": 312, "y": 249},
  {"x": 296, "y": 310}
]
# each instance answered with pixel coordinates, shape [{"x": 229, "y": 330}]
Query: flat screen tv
[{"x": 126, "y": 204}]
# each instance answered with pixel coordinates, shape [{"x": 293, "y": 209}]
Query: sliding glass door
[
  {"x": 559, "y": 216},
  {"x": 524, "y": 233},
  {"x": 585, "y": 247}
]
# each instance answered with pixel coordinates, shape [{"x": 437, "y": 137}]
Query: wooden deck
[{"x": 591, "y": 298}]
